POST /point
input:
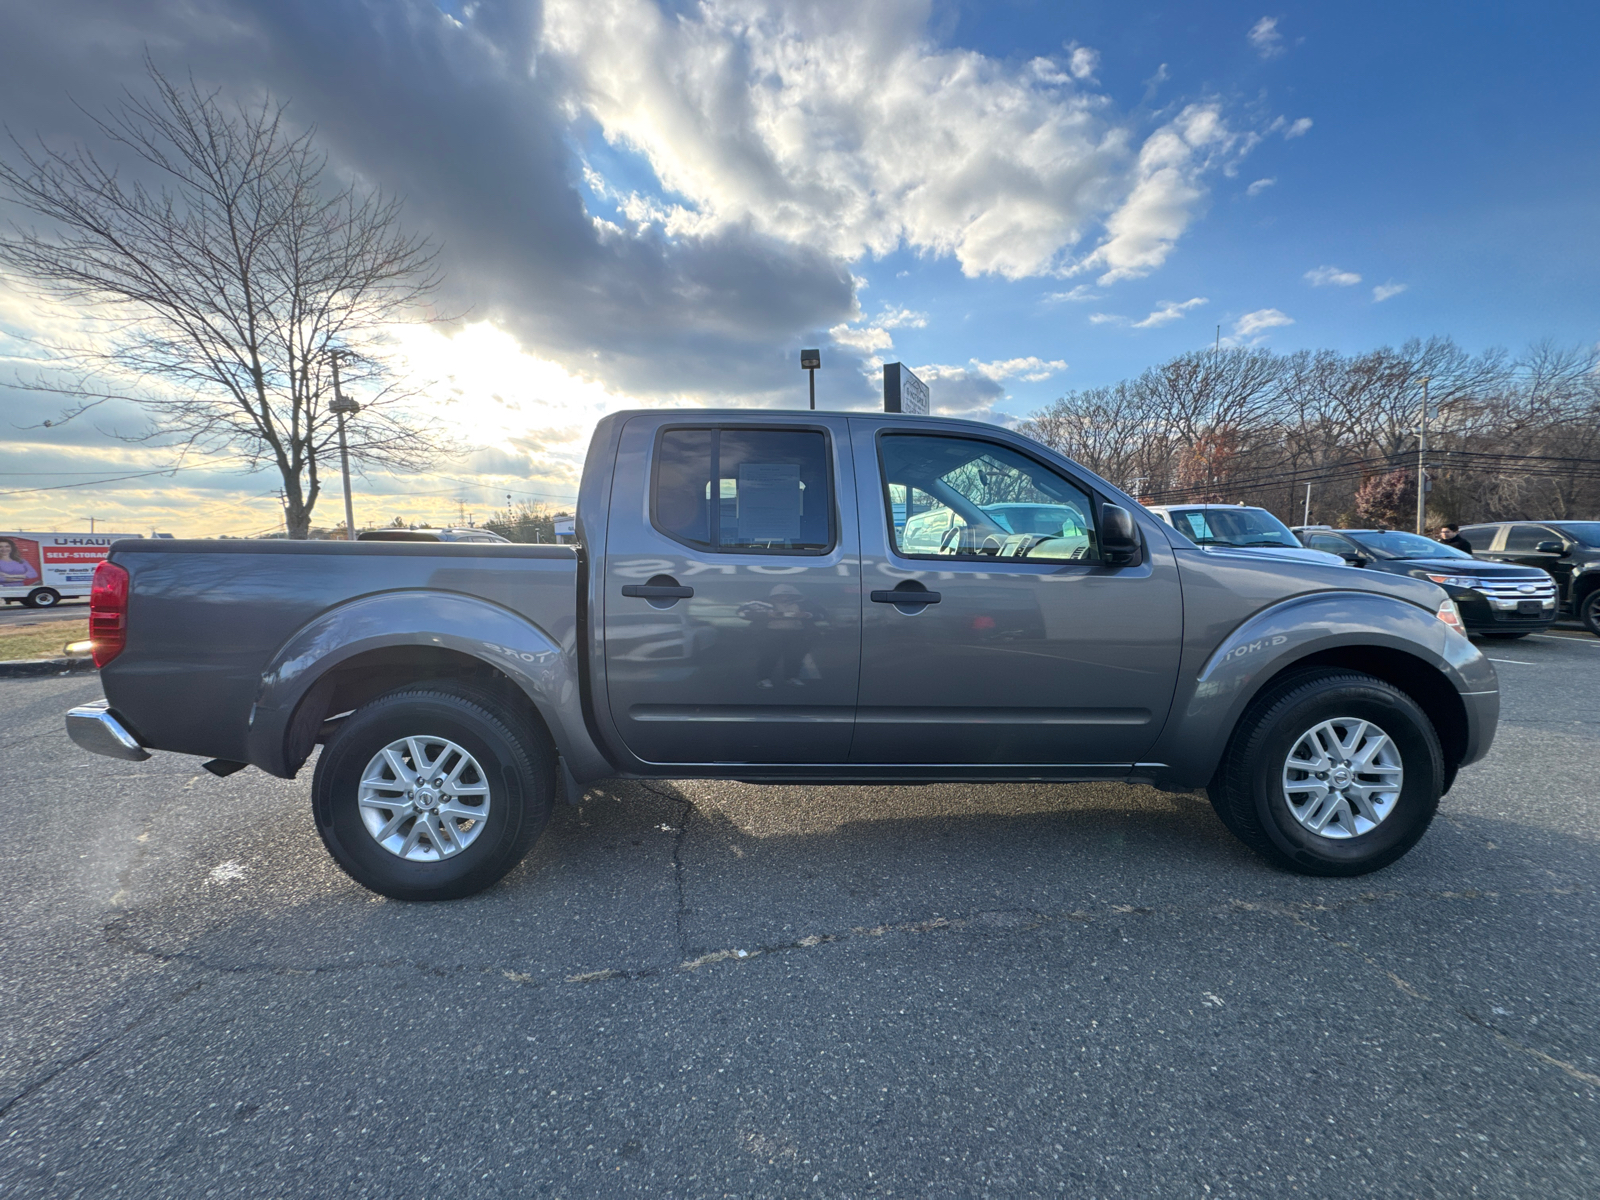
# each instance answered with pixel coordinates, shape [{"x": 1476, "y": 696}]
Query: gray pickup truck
[{"x": 745, "y": 602}]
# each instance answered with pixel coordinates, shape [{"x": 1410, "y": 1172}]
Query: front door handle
[
  {"x": 905, "y": 596},
  {"x": 657, "y": 591}
]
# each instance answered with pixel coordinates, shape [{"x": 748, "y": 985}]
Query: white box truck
[{"x": 39, "y": 570}]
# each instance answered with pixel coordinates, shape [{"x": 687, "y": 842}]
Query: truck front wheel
[
  {"x": 1589, "y": 611},
  {"x": 1330, "y": 773},
  {"x": 428, "y": 794}
]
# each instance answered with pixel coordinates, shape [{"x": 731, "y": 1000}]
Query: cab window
[
  {"x": 966, "y": 498},
  {"x": 744, "y": 490}
]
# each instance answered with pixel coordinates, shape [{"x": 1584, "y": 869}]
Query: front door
[
  {"x": 1522, "y": 548},
  {"x": 992, "y": 633},
  {"x": 732, "y": 600}
]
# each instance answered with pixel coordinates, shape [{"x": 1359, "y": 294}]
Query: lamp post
[
  {"x": 342, "y": 408},
  {"x": 1422, "y": 468},
  {"x": 810, "y": 360}
]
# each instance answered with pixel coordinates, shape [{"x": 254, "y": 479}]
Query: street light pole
[
  {"x": 1422, "y": 466},
  {"x": 339, "y": 408},
  {"x": 810, "y": 360}
]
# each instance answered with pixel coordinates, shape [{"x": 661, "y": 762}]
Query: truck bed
[{"x": 207, "y": 618}]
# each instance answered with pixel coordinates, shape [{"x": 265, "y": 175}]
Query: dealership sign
[{"x": 903, "y": 392}]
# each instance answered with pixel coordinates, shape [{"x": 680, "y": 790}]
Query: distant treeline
[
  {"x": 525, "y": 523},
  {"x": 1508, "y": 437}
]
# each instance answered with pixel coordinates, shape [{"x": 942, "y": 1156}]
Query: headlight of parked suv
[{"x": 1460, "y": 581}]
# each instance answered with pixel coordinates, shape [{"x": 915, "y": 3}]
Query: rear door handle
[
  {"x": 656, "y": 591},
  {"x": 905, "y": 596}
]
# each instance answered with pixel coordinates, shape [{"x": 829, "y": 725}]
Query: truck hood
[{"x": 1289, "y": 553}]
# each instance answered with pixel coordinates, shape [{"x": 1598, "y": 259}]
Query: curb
[{"x": 32, "y": 668}]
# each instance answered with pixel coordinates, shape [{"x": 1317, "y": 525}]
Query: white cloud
[
  {"x": 1084, "y": 62},
  {"x": 1168, "y": 311},
  {"x": 1385, "y": 290},
  {"x": 1078, "y": 294},
  {"x": 1297, "y": 128},
  {"x": 1262, "y": 318},
  {"x": 1332, "y": 277},
  {"x": 1165, "y": 312},
  {"x": 1161, "y": 204},
  {"x": 874, "y": 335},
  {"x": 839, "y": 125},
  {"x": 1266, "y": 39},
  {"x": 1259, "y": 186},
  {"x": 1031, "y": 369}
]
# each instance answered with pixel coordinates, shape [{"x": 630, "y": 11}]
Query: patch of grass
[{"x": 44, "y": 640}]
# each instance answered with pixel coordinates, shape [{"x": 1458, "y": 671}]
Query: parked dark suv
[
  {"x": 1496, "y": 600},
  {"x": 1568, "y": 550}
]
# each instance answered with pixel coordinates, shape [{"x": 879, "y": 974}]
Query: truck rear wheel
[
  {"x": 428, "y": 794},
  {"x": 1330, "y": 773}
]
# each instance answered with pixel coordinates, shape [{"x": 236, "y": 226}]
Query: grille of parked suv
[{"x": 1518, "y": 589}]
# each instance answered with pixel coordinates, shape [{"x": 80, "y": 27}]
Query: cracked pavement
[{"x": 715, "y": 989}]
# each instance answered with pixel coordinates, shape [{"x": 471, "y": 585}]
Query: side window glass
[
  {"x": 965, "y": 498},
  {"x": 1333, "y": 545},
  {"x": 1526, "y": 538},
  {"x": 748, "y": 490}
]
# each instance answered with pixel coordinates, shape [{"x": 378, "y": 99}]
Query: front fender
[
  {"x": 544, "y": 670},
  {"x": 1208, "y": 706}
]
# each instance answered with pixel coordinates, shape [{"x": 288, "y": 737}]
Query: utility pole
[
  {"x": 1422, "y": 465},
  {"x": 1305, "y": 517},
  {"x": 340, "y": 408},
  {"x": 1217, "y": 349}
]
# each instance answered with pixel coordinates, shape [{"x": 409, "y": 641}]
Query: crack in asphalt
[{"x": 685, "y": 815}]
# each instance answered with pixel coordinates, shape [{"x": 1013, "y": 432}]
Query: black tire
[
  {"x": 43, "y": 598},
  {"x": 1248, "y": 791},
  {"x": 1506, "y": 637},
  {"x": 517, "y": 764},
  {"x": 1589, "y": 612}
]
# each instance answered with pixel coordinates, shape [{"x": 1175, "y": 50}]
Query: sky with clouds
[{"x": 645, "y": 203}]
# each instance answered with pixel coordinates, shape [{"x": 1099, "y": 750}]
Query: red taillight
[{"x": 108, "y": 612}]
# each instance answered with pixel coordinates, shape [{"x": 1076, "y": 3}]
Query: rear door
[
  {"x": 732, "y": 599},
  {"x": 989, "y": 646}
]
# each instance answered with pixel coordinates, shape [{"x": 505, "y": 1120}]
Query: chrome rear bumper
[{"x": 96, "y": 728}]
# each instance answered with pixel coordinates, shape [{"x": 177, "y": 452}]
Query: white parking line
[{"x": 1515, "y": 661}]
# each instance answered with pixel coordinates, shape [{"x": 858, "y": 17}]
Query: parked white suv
[{"x": 1239, "y": 527}]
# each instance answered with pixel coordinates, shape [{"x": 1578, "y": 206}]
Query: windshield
[
  {"x": 1233, "y": 527},
  {"x": 1586, "y": 532},
  {"x": 1394, "y": 544},
  {"x": 1050, "y": 520}
]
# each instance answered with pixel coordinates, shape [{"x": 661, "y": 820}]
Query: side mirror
[
  {"x": 1550, "y": 548},
  {"x": 1355, "y": 560},
  {"x": 1119, "y": 537}
]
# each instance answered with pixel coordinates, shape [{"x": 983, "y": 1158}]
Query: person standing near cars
[{"x": 1450, "y": 535}]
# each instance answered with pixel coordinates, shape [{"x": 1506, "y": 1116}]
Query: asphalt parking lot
[{"x": 725, "y": 990}]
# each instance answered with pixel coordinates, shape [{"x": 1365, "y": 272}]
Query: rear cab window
[{"x": 740, "y": 490}]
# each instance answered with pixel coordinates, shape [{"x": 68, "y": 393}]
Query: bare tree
[
  {"x": 222, "y": 278},
  {"x": 1507, "y": 437}
]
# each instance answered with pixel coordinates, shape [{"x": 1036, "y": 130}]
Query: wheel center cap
[
  {"x": 1340, "y": 779},
  {"x": 425, "y": 797}
]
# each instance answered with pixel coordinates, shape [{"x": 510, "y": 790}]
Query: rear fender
[
  {"x": 543, "y": 670},
  {"x": 1321, "y": 627}
]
